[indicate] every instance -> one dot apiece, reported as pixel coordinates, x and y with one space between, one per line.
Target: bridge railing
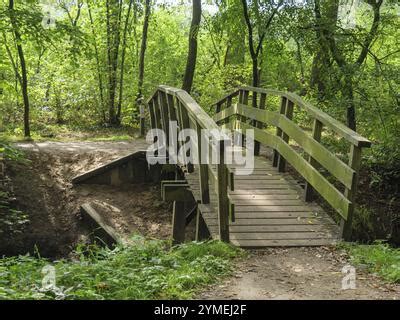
171 104
246 108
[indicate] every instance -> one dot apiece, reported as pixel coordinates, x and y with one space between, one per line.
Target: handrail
172 104
344 131
257 111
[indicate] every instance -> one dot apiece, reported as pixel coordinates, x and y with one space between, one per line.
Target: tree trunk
326 19
192 54
143 50
23 78
348 93
256 79
121 79
99 74
114 10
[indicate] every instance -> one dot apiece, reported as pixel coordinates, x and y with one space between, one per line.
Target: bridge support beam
202 232
178 222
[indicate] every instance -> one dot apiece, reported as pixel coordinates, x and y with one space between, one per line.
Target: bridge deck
269 210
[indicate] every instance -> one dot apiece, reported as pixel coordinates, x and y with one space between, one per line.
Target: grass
378 258
65 133
146 269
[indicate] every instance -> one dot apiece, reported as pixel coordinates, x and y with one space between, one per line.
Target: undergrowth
379 258
146 269
12 221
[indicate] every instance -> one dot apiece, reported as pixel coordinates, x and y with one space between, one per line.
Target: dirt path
298 273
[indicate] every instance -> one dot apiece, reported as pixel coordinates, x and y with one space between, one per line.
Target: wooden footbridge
265 206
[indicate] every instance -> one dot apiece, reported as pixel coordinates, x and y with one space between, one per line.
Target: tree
256 46
97 56
121 76
347 67
21 75
143 47
113 15
321 65
192 52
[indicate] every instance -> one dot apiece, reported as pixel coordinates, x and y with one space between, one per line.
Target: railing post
157 113
151 112
203 168
223 201
202 232
228 104
219 104
263 99
279 131
157 116
178 222
164 115
285 137
354 163
316 134
171 108
243 99
184 124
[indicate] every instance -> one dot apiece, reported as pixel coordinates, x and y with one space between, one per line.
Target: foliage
12 221
144 269
9 153
378 258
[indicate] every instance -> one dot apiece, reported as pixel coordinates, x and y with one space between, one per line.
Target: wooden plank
267 202
282 110
108 233
316 135
260 177
282 228
178 222
185 124
260 125
261 115
257 197
222 189
281 186
273 214
263 192
157 113
317 151
227 96
282 236
212 221
107 167
202 232
283 243
336 199
285 137
203 170
164 115
205 121
260 183
224 114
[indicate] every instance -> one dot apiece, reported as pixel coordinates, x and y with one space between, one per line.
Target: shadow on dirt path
298 273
